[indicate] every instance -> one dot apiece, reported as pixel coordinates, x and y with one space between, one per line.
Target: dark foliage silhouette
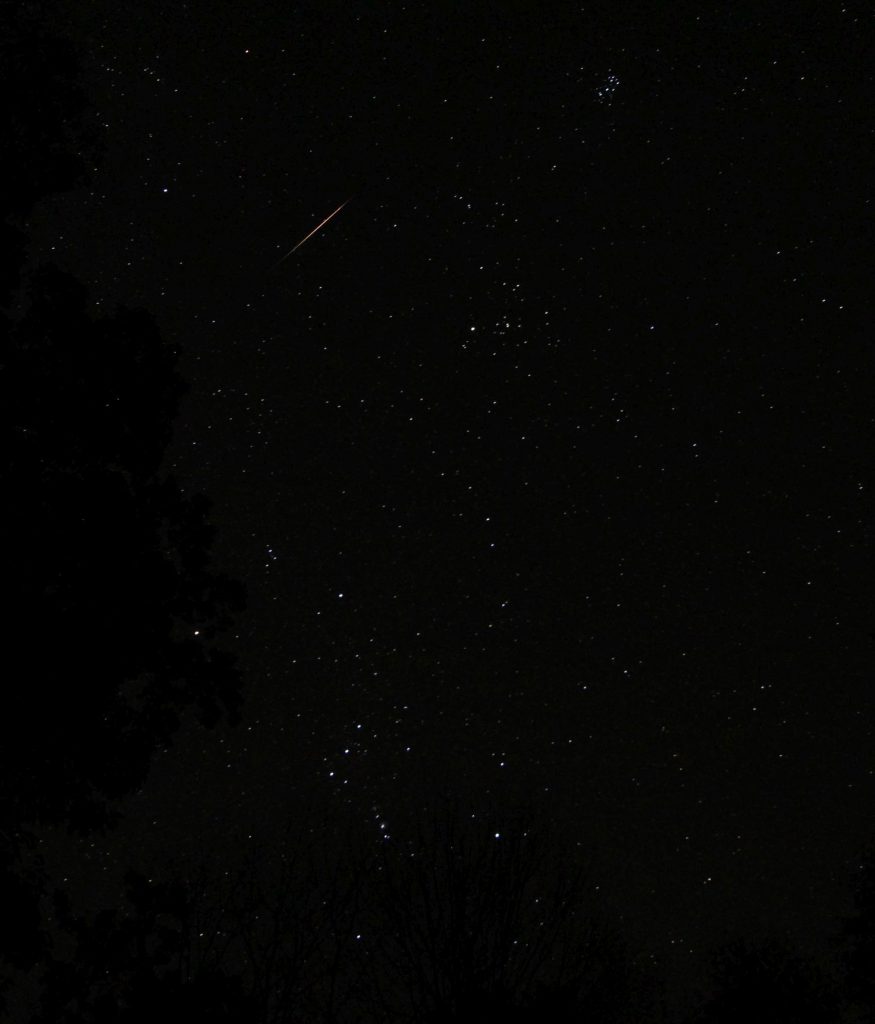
114 608
50 140
470 918
767 982
141 965
454 925
858 943
265 941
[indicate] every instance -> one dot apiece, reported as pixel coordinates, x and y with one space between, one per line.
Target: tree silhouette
136 966
475 919
115 611
454 925
858 943
50 141
767 982
115 606
266 940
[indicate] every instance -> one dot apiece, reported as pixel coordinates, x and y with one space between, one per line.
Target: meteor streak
321 224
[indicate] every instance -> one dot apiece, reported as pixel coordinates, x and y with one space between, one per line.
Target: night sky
544 461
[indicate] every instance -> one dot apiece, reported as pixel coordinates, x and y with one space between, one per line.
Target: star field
545 461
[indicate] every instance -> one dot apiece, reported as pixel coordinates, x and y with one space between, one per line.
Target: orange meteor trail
321 224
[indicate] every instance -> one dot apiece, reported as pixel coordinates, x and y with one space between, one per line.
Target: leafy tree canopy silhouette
114 609
50 141
133 968
767 981
115 605
858 941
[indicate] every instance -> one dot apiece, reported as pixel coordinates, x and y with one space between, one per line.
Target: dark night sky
544 462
